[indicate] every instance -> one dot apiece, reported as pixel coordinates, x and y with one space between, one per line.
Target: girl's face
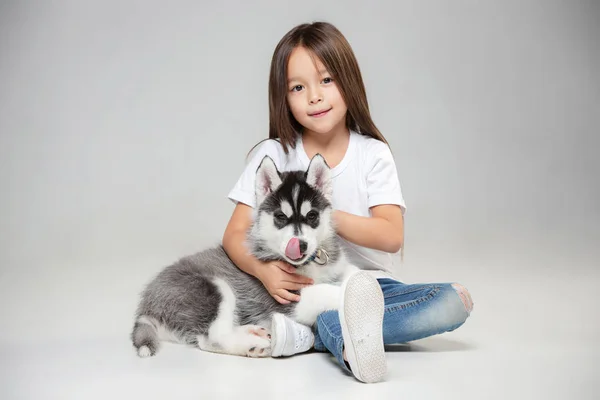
313 96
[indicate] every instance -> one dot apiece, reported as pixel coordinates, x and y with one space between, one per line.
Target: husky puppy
206 301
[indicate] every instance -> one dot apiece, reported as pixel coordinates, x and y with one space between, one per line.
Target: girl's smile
319 114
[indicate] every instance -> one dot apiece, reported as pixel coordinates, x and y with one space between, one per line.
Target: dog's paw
260 350
259 331
257 340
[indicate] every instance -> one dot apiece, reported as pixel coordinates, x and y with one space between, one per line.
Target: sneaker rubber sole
361 318
279 332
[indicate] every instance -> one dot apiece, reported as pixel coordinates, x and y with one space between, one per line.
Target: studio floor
532 335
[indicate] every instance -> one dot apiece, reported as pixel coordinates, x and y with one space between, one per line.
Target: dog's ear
318 176
268 179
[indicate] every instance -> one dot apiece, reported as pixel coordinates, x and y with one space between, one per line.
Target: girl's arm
384 230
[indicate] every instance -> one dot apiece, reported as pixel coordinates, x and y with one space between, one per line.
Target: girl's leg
354 334
417 311
411 312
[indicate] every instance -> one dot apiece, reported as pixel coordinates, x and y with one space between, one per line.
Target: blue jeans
412 312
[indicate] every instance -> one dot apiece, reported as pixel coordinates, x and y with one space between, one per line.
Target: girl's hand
279 277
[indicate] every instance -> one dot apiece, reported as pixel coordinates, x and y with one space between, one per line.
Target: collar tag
321 257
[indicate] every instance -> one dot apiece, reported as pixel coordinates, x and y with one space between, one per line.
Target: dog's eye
280 216
312 215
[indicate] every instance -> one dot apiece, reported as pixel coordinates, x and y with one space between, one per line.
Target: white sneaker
361 318
288 337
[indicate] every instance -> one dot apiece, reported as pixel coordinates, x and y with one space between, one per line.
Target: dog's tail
145 337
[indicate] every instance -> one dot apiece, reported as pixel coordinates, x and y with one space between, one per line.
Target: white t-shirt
365 177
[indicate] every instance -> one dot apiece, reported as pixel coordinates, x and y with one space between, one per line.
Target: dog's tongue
292 251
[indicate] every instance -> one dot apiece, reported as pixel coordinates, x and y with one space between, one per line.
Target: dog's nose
303 246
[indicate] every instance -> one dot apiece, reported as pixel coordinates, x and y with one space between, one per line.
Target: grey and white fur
206 301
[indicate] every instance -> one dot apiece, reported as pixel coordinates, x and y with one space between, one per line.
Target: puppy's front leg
348 271
316 299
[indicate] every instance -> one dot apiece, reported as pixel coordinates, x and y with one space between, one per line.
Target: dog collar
320 257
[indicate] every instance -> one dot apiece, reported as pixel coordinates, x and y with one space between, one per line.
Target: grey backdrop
123 125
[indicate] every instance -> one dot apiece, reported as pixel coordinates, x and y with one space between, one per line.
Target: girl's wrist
337 216
259 270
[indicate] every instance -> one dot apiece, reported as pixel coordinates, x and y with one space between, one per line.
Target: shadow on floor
433 344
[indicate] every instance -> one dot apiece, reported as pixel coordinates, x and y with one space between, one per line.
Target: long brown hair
325 42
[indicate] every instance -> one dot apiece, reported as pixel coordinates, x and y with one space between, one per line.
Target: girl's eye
327 80
296 88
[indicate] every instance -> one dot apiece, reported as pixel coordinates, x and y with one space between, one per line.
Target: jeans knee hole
464 295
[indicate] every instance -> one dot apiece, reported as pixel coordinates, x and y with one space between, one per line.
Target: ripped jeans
412 312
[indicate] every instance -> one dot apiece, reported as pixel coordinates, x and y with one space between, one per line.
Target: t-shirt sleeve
244 189
383 185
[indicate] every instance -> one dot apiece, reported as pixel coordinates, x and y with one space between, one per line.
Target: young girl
318 104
